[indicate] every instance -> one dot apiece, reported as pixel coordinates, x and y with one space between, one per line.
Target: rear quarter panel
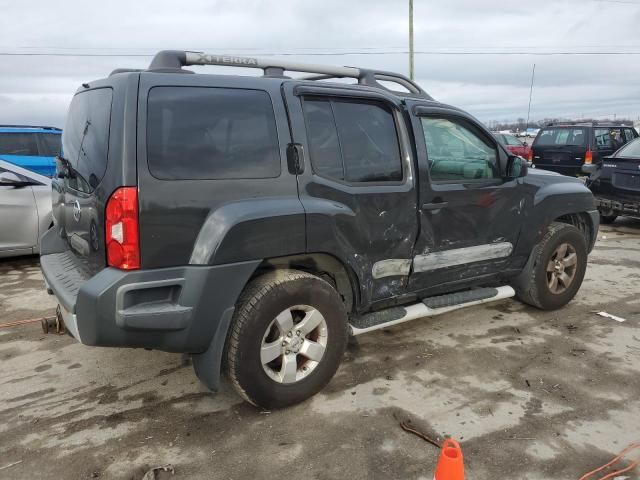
217 221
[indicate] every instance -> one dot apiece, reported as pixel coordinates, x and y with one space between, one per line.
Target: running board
429 307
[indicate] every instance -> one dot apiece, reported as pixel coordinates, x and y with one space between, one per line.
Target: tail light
530 155
588 157
121 229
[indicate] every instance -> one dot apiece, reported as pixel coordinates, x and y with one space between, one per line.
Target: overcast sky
37 89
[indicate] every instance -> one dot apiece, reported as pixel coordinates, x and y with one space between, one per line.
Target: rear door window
608 138
565 136
85 139
49 144
354 141
629 134
18 144
211 133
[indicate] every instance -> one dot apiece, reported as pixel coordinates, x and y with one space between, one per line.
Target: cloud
35 89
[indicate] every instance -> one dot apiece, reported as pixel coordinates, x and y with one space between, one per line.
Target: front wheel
560 262
287 338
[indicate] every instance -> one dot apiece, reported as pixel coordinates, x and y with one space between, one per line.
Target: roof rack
31 126
174 60
585 124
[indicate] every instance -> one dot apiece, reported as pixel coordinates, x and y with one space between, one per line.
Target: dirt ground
530 394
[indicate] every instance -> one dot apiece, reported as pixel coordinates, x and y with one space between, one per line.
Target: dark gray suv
256 222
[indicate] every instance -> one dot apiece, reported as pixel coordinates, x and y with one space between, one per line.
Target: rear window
18 144
631 150
85 139
211 133
570 136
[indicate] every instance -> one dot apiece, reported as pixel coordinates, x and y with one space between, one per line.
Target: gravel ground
530 394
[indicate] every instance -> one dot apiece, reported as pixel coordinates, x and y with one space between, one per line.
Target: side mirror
516 167
10 179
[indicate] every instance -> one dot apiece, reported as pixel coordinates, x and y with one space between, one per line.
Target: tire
537 289
607 219
259 330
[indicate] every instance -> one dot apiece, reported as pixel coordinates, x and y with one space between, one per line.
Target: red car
513 144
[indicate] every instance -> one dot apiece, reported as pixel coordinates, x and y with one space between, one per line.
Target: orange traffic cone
450 466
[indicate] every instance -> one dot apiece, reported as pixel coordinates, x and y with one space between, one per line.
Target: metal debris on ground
612 317
20 322
9 465
409 429
151 474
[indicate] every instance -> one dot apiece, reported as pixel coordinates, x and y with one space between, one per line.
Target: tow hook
54 324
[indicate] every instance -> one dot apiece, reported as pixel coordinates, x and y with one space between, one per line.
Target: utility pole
411 39
533 73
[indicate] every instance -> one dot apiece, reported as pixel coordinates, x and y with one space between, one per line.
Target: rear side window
211 133
562 136
350 140
18 144
85 138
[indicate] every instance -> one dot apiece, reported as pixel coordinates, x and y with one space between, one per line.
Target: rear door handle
434 206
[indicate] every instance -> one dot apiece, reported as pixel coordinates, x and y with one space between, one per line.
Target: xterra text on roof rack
256 222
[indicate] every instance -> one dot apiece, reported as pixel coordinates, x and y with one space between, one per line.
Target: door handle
434 206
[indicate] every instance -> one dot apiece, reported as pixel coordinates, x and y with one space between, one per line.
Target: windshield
562 136
631 150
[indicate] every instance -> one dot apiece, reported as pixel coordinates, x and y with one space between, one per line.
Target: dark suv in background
256 222
565 147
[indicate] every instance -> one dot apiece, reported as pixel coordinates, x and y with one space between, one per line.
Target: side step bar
429 307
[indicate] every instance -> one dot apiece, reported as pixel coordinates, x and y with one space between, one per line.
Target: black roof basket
174 60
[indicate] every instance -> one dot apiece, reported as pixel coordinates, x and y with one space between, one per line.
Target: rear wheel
560 262
287 338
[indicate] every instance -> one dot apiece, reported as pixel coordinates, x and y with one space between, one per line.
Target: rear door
19 216
470 216
88 178
607 140
357 187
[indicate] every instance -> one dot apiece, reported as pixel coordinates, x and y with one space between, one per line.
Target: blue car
31 147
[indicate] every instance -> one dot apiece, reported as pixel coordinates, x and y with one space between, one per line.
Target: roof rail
30 126
172 60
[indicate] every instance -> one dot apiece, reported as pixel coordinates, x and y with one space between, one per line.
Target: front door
470 214
357 187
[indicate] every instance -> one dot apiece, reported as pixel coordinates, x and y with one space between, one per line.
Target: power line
325 54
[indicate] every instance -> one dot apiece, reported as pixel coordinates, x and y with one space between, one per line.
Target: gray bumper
177 309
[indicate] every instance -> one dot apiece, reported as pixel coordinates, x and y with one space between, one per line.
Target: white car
25 209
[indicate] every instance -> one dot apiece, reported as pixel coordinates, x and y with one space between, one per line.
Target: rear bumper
175 309
594 215
619 206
